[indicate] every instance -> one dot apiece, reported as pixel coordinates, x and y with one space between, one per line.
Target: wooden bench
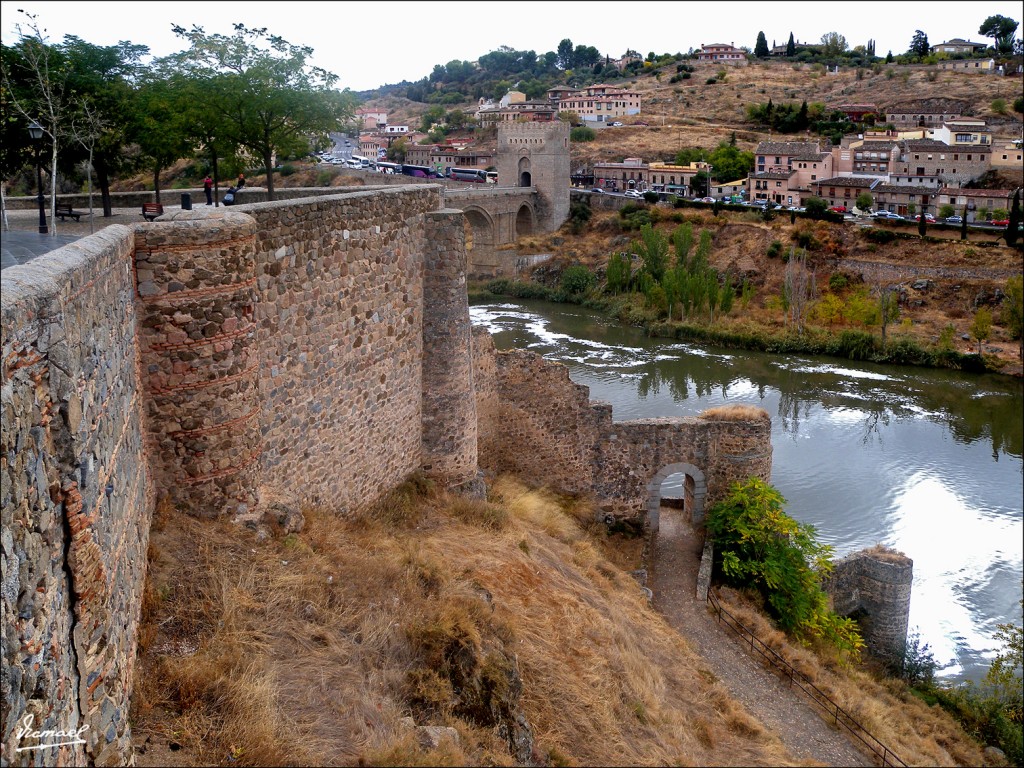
151 210
61 211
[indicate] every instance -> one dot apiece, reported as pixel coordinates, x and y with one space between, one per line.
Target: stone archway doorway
694 490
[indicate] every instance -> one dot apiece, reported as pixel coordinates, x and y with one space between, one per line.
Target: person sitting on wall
229 196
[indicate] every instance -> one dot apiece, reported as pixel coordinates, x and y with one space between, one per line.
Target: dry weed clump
735 413
310 648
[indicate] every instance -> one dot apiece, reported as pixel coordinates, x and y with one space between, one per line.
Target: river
925 461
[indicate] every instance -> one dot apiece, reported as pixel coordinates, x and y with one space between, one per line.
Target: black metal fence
830 709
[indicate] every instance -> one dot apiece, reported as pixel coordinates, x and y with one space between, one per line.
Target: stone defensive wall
318 349
535 422
874 586
76 496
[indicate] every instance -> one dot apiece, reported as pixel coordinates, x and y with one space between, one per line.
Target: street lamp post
35 130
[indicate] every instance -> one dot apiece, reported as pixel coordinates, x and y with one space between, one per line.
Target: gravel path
675 558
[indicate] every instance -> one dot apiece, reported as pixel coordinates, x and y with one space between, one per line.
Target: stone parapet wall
76 500
544 428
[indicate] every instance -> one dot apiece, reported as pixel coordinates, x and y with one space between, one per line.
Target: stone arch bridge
494 217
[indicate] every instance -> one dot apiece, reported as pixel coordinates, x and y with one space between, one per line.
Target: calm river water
927 462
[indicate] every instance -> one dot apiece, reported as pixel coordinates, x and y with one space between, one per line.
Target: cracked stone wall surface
76 501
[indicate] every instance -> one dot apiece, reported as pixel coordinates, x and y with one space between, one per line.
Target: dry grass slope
308 649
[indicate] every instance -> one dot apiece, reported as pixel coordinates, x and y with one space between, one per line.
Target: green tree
1001 29
946 210
919 44
981 326
161 128
833 44
577 280
761 47
864 201
963 223
922 224
816 207
790 46
652 248
618 274
757 544
272 98
565 51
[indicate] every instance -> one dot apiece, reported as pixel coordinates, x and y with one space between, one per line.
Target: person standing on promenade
241 181
208 189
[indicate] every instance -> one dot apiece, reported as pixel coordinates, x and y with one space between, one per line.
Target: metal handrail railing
838 714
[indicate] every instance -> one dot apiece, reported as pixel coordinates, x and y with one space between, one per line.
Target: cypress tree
963 224
761 46
1011 233
922 227
790 46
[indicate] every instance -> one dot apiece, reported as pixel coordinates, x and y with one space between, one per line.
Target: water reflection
926 461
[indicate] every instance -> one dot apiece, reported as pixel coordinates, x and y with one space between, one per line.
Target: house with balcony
784 170
634 173
947 165
779 186
843 190
980 203
957 45
720 53
599 103
963 132
537 111
874 158
905 199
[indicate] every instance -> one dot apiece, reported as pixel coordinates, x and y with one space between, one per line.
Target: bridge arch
525 221
480 229
695 489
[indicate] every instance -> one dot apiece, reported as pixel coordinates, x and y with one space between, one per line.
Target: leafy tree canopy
1001 29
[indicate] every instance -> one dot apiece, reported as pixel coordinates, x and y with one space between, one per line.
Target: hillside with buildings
663 114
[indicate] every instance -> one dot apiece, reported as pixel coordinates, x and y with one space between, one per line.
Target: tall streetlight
35 130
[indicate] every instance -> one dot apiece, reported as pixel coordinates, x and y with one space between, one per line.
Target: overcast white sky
369 44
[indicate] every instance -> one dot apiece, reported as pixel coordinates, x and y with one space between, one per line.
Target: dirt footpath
675 559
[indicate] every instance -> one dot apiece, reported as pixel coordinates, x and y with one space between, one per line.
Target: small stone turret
874 587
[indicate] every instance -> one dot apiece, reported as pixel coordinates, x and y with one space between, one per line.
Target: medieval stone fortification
319 348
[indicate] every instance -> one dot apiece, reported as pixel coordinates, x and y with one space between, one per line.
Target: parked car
616 124
704 200
598 190
887 215
838 208
927 217
954 220
1000 222
634 193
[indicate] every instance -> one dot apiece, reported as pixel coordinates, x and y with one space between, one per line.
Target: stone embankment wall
874 586
535 422
76 501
